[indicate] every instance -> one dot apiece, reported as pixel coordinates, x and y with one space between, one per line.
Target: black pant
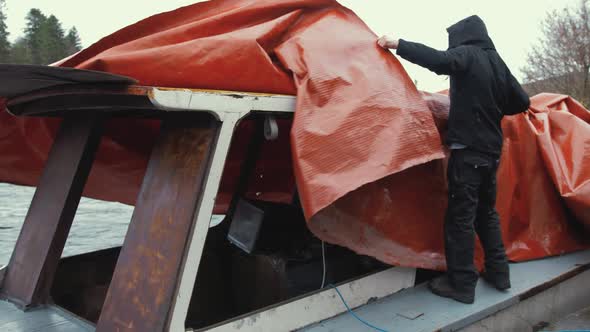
472 206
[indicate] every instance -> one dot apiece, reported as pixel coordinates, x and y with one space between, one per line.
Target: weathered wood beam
148 272
32 267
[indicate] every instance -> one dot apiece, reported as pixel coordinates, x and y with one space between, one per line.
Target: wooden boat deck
529 281
542 291
547 289
46 319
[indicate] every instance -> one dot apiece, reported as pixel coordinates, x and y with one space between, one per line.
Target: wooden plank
41 241
442 314
47 319
312 308
148 271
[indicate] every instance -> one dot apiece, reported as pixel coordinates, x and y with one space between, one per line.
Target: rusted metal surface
146 278
34 261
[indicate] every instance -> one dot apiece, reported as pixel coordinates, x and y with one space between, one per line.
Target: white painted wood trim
220 103
203 214
229 108
2 273
324 305
550 305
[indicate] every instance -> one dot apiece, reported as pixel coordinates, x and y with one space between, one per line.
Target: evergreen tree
34 35
44 41
4 43
53 43
20 52
73 44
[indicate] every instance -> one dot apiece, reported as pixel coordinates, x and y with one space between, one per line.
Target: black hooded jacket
482 88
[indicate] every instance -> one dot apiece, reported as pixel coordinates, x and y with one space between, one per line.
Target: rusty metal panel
146 278
34 261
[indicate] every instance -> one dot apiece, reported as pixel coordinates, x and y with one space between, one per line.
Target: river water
97 225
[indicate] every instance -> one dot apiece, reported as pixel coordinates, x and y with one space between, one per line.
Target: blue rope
354 315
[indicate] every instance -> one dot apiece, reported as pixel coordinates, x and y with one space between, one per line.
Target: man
482 91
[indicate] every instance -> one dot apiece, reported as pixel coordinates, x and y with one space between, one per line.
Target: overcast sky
513 24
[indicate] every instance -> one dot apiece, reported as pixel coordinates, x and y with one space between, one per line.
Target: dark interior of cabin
286 263
262 254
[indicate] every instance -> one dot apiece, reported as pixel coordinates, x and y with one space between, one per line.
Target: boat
184 268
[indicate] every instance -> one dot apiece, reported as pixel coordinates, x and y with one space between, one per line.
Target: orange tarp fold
543 193
365 147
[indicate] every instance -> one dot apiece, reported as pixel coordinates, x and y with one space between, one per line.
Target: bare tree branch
560 61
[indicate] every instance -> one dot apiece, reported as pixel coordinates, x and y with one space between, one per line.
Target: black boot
500 283
442 287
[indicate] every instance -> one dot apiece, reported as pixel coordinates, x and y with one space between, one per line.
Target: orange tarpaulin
544 165
365 144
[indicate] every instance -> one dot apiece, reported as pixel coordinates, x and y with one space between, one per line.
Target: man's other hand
388 42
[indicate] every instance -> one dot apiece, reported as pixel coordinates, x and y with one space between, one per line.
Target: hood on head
470 31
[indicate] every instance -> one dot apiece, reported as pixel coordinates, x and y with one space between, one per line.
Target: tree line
44 40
